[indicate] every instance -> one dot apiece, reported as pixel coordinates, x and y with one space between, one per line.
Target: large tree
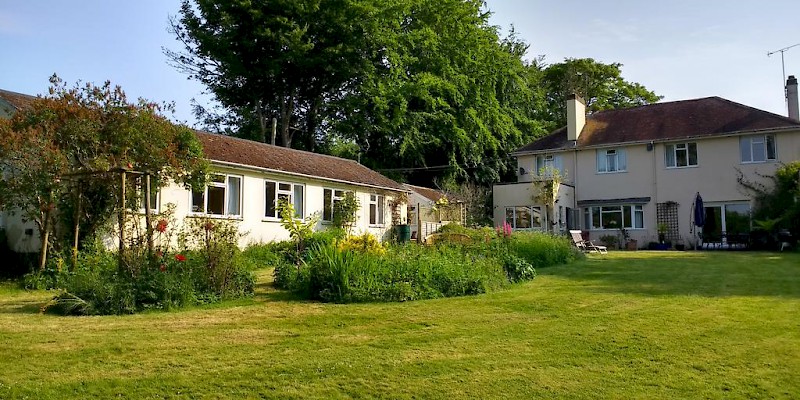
266 59
67 145
600 85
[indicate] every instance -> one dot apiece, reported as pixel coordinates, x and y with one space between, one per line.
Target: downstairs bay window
221 197
614 217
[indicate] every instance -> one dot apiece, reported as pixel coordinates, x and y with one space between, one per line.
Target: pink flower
180 257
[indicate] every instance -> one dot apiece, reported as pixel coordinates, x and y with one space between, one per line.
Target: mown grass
626 325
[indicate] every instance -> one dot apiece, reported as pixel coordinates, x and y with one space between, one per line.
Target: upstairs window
274 192
545 164
222 197
611 160
757 148
681 155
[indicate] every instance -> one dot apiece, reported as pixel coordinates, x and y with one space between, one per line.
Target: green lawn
627 325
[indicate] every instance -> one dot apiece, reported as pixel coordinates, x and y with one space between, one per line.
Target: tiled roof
709 116
249 153
428 193
16 100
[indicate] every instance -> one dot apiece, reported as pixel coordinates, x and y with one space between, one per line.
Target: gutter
313 177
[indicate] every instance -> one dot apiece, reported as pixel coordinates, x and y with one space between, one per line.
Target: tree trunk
311 123
262 121
287 110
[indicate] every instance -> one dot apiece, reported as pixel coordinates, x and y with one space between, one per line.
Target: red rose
180 257
163 268
162 225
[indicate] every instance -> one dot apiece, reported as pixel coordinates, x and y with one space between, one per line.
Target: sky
678 49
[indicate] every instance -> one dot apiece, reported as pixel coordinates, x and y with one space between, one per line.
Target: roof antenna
783 68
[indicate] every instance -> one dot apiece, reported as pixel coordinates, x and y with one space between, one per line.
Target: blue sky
679 49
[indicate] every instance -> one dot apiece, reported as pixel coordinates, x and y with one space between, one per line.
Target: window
329 198
547 163
757 148
680 155
611 160
222 196
277 191
376 209
139 184
614 217
524 217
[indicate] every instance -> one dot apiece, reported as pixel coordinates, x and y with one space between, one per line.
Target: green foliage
345 211
517 268
404 273
213 270
543 250
94 131
600 85
349 273
777 204
364 243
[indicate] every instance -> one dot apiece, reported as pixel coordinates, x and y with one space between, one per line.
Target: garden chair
585 245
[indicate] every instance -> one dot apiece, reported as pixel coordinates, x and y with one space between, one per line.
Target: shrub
542 249
365 243
404 273
517 269
101 283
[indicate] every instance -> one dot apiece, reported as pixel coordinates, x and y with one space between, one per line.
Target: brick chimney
576 115
791 98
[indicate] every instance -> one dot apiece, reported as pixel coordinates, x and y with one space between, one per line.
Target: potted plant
662 232
609 241
630 244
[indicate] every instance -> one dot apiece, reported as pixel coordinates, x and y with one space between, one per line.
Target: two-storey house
641 168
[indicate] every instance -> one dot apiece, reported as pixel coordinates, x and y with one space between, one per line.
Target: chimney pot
791 98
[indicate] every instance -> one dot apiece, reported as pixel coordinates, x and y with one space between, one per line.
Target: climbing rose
162 225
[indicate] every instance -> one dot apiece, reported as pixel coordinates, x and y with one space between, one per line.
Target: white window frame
299 213
752 141
545 164
674 149
224 185
628 221
377 210
620 161
533 222
336 196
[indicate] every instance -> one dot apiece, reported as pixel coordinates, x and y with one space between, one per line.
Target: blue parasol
699 211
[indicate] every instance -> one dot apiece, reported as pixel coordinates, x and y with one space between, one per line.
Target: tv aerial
783 65
783 68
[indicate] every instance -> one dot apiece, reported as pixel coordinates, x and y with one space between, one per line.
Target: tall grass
337 273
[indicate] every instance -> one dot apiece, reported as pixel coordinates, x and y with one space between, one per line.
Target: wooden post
77 229
147 214
420 231
121 216
45 239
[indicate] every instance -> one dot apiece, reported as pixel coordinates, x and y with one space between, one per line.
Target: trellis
122 212
667 214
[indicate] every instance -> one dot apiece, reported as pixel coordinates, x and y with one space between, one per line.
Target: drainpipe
655 180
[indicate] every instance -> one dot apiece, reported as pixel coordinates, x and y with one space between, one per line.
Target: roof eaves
281 172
